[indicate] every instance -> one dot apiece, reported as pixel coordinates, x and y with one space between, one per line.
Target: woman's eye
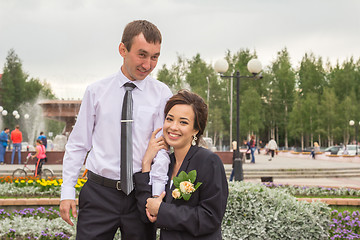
168 119
184 122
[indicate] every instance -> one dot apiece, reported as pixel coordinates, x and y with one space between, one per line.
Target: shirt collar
140 84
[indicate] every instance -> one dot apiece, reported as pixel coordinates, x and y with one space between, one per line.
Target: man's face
141 59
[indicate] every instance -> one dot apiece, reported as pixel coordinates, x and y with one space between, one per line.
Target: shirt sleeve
159 169
79 143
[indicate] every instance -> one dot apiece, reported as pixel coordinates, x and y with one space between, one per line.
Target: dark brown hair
39 141
198 105
133 29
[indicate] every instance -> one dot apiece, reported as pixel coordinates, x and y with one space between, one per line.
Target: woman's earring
194 140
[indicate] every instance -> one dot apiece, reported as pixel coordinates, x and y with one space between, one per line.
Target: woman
252 147
40 155
200 216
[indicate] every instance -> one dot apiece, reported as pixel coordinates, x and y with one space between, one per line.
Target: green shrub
257 212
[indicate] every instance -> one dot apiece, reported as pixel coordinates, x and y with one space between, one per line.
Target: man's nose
146 64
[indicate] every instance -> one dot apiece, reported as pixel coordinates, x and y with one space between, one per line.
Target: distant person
234 145
40 155
252 146
272 146
43 139
4 140
16 138
315 150
260 146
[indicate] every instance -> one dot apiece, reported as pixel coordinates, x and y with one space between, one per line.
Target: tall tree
311 75
17 88
284 88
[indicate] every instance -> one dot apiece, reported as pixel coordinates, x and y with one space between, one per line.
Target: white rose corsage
184 184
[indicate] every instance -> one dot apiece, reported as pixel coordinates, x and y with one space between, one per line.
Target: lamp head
221 66
254 66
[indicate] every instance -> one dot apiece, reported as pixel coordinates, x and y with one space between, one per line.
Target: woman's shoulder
206 155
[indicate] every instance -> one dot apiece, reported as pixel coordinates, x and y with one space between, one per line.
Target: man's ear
122 50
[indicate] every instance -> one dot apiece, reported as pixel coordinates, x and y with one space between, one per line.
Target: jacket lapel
184 167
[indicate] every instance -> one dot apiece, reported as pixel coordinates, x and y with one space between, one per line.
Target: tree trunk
302 141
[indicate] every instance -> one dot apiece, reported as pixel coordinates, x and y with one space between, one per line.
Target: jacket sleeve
142 193
206 216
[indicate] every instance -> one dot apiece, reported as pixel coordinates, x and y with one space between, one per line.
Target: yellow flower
22 181
187 187
30 181
176 193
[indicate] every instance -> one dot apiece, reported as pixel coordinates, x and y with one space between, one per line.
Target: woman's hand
150 217
154 146
153 205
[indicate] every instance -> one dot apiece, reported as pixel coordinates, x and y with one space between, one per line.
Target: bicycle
46 173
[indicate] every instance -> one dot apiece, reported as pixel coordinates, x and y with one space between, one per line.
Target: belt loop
118 186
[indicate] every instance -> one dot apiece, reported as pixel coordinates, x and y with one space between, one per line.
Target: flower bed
34 187
254 211
314 191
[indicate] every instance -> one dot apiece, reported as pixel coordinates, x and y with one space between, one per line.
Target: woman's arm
37 153
207 215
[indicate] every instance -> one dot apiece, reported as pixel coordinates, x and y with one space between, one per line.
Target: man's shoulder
159 87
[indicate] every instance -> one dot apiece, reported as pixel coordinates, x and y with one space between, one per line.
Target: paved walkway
287 160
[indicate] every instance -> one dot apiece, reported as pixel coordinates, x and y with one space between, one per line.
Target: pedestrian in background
43 139
252 146
234 145
40 155
16 138
4 140
272 146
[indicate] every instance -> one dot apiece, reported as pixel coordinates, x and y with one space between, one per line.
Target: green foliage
311 103
257 212
17 88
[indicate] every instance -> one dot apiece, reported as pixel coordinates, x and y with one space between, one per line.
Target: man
16 138
4 139
43 139
272 148
103 204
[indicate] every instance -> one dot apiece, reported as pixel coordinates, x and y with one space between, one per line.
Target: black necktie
127 184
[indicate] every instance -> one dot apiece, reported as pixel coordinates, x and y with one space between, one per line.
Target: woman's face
179 126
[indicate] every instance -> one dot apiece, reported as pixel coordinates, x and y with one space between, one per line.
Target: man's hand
153 204
65 207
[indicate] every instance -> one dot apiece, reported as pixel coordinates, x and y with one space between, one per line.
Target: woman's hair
198 105
39 141
133 29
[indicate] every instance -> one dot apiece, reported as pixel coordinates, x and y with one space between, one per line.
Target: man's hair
17 126
6 129
198 105
41 133
133 29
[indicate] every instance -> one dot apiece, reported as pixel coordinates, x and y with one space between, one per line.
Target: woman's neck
180 154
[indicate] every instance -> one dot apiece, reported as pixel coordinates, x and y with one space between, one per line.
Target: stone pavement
288 160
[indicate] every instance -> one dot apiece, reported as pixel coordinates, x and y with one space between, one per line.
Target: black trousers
102 210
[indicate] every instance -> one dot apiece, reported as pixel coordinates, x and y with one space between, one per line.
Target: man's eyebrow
146 52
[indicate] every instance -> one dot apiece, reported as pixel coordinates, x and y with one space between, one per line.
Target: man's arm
78 145
159 169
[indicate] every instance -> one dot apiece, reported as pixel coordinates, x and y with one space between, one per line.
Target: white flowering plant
184 184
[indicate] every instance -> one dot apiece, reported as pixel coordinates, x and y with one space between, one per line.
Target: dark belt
106 182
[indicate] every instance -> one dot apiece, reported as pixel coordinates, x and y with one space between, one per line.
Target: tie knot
129 86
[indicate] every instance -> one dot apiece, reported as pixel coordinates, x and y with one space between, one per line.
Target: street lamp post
352 123
254 67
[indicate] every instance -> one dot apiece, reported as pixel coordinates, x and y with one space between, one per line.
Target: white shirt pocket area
145 118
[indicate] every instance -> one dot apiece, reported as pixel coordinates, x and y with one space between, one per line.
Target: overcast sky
72 43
